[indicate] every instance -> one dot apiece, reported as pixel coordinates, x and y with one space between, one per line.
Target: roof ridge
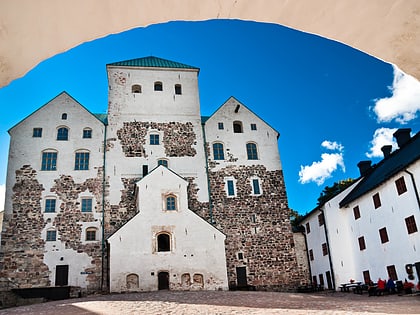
152 62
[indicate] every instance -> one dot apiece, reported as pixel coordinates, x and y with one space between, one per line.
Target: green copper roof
152 62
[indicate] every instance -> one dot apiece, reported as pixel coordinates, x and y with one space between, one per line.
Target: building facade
370 229
91 199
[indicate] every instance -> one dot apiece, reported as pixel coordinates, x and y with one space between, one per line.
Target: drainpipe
329 251
208 177
415 187
103 210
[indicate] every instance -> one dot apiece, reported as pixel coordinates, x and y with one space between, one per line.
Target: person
390 286
381 287
408 287
371 288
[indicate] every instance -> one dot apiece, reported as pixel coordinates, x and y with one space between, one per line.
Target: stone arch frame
132 281
161 247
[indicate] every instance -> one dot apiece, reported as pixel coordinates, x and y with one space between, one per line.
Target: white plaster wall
197 247
235 143
402 248
153 106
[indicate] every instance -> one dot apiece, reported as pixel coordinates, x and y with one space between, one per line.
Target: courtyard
227 302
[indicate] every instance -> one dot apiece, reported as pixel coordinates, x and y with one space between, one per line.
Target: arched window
158 86
251 151
237 127
163 162
49 160
178 89
136 88
63 134
164 242
170 202
87 133
91 234
132 281
218 153
64 116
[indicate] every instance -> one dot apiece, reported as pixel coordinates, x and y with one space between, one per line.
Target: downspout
208 177
415 187
329 251
103 210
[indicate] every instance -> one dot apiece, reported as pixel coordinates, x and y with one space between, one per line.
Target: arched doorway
163 280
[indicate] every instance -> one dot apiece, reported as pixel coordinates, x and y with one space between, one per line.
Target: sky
332 105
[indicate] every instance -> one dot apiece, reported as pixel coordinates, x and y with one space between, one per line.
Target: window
91 234
86 205
253 126
163 242
87 133
136 88
253 218
311 254
314 280
50 205
392 273
220 126
158 86
362 244
63 134
237 127
154 139
384 235
308 228
356 212
64 116
256 187
51 235
321 279
366 276
376 200
178 89
240 256
81 161
251 150
145 170
49 161
410 222
163 162
230 188
170 203
218 153
324 249
37 132
400 184
321 220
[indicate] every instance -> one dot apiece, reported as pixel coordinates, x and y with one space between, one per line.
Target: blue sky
333 105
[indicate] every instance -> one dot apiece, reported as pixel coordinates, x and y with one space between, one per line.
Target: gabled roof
152 62
388 167
103 118
205 118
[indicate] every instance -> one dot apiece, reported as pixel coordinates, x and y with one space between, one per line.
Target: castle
149 196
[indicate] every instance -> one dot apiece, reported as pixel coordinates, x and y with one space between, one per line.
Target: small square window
51 236
37 133
50 205
154 139
220 126
86 205
87 133
253 126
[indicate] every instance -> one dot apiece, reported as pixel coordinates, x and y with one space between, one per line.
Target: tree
334 190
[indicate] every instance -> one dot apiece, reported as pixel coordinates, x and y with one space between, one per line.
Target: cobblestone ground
237 302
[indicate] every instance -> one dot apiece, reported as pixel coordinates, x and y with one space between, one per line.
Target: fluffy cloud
404 103
381 137
2 192
319 171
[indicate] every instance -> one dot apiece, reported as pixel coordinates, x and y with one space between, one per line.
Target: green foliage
294 218
334 190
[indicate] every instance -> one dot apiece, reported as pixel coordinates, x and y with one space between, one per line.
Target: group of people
381 287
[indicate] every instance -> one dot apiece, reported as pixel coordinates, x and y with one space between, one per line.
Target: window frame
62 133
220 126
383 235
154 139
237 127
256 186
37 132
87 133
81 160
50 205
311 255
376 200
49 160
230 188
136 89
252 151
158 86
86 205
392 272
91 231
324 249
51 235
171 203
308 228
64 116
159 246
356 212
178 89
253 127
163 162
219 152
400 185
321 219
362 243
410 224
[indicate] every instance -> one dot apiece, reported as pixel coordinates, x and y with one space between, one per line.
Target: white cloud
2 192
404 103
381 137
319 171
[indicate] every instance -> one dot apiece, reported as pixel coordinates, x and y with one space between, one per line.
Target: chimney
402 136
386 150
364 167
